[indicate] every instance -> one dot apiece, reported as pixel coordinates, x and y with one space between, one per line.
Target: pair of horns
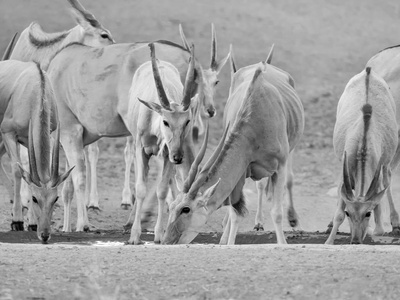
347 187
189 81
10 47
232 58
214 63
193 184
54 160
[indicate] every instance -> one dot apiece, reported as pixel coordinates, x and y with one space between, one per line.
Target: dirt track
199 272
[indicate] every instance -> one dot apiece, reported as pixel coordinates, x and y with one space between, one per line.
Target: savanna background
322 44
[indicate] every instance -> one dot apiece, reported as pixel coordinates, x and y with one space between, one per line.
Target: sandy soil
199 272
322 45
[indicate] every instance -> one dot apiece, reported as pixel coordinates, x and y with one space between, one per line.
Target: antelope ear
211 190
152 105
63 177
345 195
377 197
25 175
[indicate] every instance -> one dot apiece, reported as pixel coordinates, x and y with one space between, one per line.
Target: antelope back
36 45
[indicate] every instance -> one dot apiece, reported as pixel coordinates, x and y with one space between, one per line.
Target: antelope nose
45 237
177 159
211 112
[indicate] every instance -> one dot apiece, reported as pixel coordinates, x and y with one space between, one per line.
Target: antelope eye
368 214
187 122
34 200
104 35
347 213
216 82
165 123
185 210
55 200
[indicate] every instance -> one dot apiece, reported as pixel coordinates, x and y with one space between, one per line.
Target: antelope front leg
73 147
235 197
259 222
337 221
278 183
4 178
141 174
292 214
394 216
67 194
226 225
25 192
127 196
162 193
91 193
10 142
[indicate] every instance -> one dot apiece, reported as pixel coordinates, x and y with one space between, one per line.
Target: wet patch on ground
265 237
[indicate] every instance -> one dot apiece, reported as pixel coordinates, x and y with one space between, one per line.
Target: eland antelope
267 120
387 65
28 115
365 139
201 101
264 184
92 91
211 81
36 45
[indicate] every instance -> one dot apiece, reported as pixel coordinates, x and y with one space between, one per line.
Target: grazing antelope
201 101
36 45
365 139
267 120
92 91
28 115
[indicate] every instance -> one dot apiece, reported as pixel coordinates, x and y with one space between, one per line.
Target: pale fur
369 142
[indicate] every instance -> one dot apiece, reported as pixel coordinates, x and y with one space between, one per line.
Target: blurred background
322 44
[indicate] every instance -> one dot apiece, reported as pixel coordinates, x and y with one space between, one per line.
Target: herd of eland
67 90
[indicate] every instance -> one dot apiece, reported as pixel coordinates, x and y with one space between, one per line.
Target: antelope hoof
125 206
396 231
86 228
127 227
17 226
258 227
95 209
11 201
129 242
32 227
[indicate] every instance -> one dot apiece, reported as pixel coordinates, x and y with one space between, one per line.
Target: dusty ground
199 272
322 44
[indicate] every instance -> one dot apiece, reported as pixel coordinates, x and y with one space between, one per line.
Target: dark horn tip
368 70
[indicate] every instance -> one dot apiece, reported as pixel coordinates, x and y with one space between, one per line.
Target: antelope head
43 184
189 211
359 208
210 76
93 33
175 118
